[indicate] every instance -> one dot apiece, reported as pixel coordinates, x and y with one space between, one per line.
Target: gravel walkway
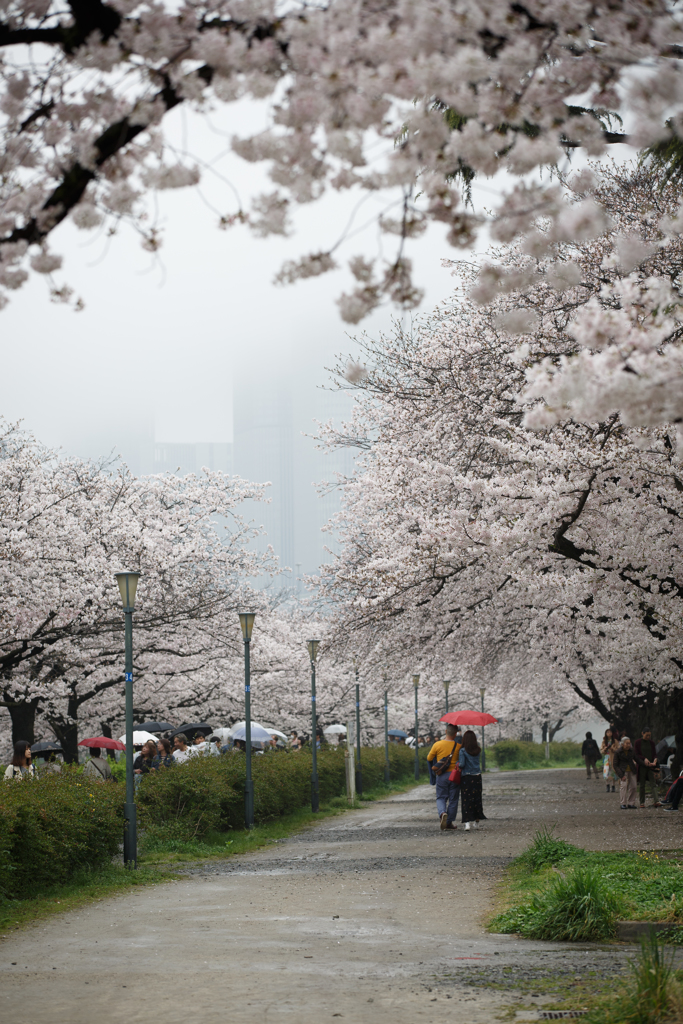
376 915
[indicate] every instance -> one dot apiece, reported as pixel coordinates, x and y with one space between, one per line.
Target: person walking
21 766
590 752
646 755
96 767
626 767
442 759
470 781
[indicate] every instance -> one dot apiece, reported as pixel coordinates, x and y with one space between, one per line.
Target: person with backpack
442 759
96 767
590 752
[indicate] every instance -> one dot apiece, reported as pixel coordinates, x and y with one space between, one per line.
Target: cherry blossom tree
453 89
66 526
532 551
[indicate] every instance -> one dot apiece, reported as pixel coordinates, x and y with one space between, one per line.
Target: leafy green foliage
588 886
515 754
54 825
207 793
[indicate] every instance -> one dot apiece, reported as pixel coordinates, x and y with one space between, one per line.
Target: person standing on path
626 767
442 760
590 752
608 748
470 782
646 756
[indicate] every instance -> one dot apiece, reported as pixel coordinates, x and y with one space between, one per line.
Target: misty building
180 458
274 418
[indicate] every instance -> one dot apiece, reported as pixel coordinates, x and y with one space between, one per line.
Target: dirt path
376 915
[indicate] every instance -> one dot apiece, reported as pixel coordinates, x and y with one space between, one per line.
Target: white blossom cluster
489 540
457 88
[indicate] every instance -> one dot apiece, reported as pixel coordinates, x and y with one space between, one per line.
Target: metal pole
130 829
359 769
315 785
387 767
483 734
249 783
417 755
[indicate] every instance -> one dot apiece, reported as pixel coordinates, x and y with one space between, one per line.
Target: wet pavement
374 915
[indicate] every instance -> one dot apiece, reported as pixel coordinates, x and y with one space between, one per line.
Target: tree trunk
23 715
66 730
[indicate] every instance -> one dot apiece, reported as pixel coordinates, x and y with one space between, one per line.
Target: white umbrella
223 733
258 733
336 730
241 725
139 737
276 732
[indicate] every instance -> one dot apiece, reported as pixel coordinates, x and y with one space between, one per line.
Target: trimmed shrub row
517 753
54 825
207 794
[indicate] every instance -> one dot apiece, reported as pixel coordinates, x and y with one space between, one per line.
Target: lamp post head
446 684
482 690
128 585
313 646
247 623
416 681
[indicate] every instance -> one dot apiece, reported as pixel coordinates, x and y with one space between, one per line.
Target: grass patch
84 887
653 994
553 887
217 844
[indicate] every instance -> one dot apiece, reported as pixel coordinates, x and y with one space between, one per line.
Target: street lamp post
359 769
247 624
387 768
416 683
482 691
128 585
315 786
446 684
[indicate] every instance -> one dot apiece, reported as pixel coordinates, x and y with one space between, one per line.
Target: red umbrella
468 718
102 741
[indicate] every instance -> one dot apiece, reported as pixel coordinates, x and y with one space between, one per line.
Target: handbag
455 776
440 766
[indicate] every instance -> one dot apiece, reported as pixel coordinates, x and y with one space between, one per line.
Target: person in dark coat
646 754
625 763
590 752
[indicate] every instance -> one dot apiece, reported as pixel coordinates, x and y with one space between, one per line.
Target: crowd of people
641 767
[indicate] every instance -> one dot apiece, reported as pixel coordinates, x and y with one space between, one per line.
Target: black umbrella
190 729
397 732
46 747
155 726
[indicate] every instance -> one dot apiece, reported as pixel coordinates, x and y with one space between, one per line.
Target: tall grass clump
545 850
576 907
651 996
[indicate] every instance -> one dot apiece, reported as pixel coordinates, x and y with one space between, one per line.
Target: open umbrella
102 741
240 725
258 733
156 726
190 728
276 732
335 730
397 732
45 748
468 718
140 736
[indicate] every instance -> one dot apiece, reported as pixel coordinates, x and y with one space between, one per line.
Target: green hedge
519 753
207 793
53 825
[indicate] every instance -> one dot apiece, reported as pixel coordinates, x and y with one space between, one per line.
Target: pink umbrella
102 741
468 718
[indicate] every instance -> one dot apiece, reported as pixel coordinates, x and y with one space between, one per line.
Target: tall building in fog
272 417
172 457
